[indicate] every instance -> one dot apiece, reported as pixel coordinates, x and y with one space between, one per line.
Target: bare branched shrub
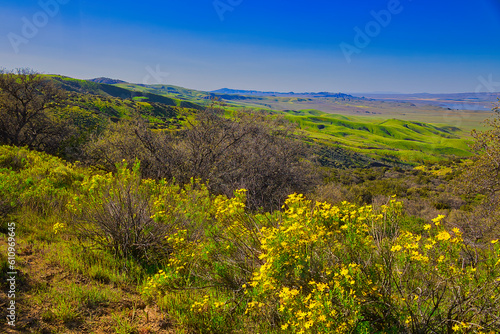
247 151
116 215
334 193
27 105
421 207
480 184
116 144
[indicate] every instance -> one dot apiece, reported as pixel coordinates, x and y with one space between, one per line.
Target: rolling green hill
373 137
86 86
391 139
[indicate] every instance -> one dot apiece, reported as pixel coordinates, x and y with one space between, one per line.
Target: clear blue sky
425 46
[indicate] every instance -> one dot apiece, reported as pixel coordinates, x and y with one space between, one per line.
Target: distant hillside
378 138
259 93
109 90
107 81
392 140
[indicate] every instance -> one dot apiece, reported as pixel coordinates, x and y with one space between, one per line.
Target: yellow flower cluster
225 207
154 283
200 306
58 227
294 249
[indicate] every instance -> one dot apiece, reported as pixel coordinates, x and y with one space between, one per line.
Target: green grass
405 140
123 325
70 302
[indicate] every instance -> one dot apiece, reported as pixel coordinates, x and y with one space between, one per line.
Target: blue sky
416 46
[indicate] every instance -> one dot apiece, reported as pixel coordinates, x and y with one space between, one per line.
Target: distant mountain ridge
260 93
107 81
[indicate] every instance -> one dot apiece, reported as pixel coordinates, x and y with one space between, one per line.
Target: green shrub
114 212
318 268
35 180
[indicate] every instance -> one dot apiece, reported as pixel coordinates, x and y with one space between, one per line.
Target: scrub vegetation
137 215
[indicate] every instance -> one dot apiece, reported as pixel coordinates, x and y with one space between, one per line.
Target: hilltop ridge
108 81
282 94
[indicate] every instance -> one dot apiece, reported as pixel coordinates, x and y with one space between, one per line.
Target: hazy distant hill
454 101
107 81
259 93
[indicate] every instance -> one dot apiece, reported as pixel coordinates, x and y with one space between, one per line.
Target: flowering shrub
314 267
114 211
35 180
312 278
215 245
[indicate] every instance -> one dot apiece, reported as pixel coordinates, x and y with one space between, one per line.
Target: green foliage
36 180
314 268
71 303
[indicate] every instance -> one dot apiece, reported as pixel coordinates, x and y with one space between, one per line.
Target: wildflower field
210 265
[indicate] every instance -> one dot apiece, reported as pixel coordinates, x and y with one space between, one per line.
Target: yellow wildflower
443 235
396 248
438 219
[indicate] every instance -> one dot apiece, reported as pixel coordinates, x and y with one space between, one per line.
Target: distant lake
467 106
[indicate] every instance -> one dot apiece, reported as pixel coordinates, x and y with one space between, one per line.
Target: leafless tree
248 151
480 182
27 100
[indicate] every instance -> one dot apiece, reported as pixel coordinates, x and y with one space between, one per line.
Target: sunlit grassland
409 141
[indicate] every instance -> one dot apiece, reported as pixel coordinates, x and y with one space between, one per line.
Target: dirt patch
36 274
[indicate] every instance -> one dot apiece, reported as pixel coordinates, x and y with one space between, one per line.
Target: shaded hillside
107 81
92 87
